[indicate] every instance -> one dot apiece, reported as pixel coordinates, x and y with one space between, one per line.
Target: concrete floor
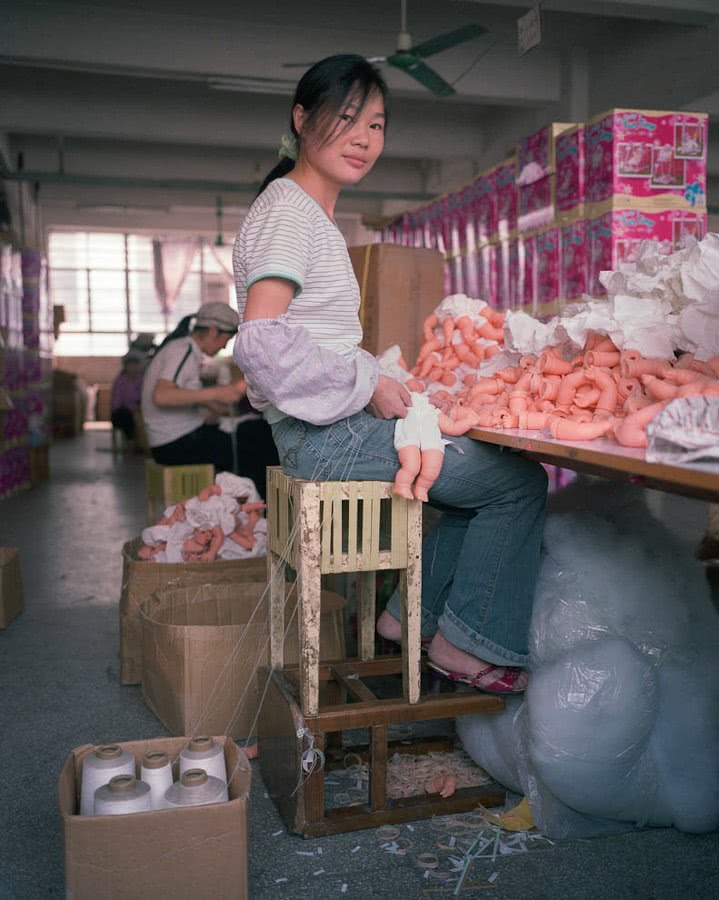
59 688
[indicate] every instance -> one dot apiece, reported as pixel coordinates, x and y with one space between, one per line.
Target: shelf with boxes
26 336
535 231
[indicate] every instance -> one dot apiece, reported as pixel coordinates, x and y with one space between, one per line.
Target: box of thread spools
141 578
163 818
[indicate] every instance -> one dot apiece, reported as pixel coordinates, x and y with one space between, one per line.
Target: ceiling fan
410 58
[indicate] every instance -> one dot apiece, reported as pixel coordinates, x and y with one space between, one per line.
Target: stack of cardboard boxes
535 231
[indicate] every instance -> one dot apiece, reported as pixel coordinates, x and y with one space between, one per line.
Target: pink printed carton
484 206
528 272
537 151
569 169
536 204
487 273
614 237
505 190
514 271
503 276
647 159
573 260
547 244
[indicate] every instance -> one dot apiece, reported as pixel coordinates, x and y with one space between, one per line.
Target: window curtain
223 255
172 259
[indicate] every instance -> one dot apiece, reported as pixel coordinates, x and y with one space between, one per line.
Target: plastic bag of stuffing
619 726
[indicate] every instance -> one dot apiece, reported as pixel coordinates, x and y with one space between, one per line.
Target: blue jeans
479 564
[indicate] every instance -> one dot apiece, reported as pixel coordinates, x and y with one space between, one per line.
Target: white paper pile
657 304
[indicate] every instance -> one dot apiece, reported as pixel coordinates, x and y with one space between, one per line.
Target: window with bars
105 281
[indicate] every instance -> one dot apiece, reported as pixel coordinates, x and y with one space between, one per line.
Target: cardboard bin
201 653
165 854
12 598
141 578
399 288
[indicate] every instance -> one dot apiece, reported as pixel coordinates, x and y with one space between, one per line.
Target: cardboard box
12 597
166 854
202 647
647 159
399 287
573 260
569 155
39 464
103 405
536 169
141 578
615 236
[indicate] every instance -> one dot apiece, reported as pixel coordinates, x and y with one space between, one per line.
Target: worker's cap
133 356
218 314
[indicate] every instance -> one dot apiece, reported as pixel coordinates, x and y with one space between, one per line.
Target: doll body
420 448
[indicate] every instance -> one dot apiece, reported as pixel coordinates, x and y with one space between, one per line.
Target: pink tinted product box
536 203
503 282
505 191
528 272
569 168
615 237
487 273
573 260
643 154
547 266
537 149
485 209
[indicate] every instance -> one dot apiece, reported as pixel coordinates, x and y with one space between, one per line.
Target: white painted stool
322 527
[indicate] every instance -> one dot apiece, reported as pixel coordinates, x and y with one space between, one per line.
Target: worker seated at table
181 416
125 398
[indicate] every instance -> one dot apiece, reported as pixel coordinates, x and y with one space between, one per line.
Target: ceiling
139 114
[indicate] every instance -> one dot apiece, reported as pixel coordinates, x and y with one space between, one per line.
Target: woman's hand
390 399
229 393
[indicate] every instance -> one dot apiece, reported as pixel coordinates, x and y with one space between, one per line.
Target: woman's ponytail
283 167
182 329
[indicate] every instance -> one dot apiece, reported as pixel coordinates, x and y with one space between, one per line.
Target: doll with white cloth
420 448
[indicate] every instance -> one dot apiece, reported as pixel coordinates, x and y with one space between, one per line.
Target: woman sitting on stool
176 408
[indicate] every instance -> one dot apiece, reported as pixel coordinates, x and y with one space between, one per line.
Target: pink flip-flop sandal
506 684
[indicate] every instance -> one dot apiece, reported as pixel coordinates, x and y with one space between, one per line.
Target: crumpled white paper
389 364
656 305
457 305
687 429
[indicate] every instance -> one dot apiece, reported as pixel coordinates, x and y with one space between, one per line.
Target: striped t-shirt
287 234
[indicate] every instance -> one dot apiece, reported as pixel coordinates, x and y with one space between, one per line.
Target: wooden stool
351 526
170 484
305 524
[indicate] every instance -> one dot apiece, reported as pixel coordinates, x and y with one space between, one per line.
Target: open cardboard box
165 854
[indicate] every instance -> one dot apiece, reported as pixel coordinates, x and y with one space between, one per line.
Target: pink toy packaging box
547 243
536 204
536 152
614 237
487 273
573 260
647 159
528 272
484 205
569 167
505 190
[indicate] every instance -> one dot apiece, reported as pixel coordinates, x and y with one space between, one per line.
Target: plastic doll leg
428 474
410 462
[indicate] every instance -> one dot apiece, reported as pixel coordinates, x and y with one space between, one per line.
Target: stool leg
410 584
366 603
276 581
309 591
378 767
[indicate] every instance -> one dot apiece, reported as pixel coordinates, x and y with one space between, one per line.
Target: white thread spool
204 753
196 788
98 768
156 771
123 795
